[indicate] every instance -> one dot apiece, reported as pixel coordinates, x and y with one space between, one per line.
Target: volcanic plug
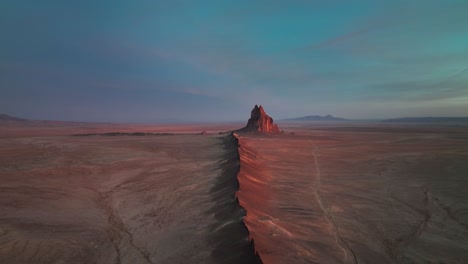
260 122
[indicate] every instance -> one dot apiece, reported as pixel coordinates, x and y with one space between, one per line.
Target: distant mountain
316 118
8 118
427 120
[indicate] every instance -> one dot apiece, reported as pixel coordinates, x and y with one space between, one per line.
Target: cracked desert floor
328 194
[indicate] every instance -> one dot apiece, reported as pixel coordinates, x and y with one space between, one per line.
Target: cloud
411 91
293 55
338 39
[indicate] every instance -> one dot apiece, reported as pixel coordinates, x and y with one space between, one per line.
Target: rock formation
260 122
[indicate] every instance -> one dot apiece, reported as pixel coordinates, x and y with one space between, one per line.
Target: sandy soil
124 199
393 195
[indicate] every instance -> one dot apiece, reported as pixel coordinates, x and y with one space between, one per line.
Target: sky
147 61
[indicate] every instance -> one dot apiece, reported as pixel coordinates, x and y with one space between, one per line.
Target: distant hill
316 118
427 120
8 118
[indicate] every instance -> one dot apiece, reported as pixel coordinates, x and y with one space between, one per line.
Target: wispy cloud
295 55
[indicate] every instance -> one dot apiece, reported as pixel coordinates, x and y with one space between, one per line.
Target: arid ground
328 194
120 199
362 194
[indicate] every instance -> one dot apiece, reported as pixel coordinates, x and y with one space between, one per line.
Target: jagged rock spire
260 122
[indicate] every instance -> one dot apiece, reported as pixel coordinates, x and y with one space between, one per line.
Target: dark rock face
260 122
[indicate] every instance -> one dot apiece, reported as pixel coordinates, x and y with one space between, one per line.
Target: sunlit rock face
260 122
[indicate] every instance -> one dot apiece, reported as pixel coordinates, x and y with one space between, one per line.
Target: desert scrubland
328 194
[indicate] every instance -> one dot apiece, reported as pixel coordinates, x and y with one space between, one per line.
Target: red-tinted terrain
331 193
357 195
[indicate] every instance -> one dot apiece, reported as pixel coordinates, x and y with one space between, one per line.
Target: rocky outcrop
260 122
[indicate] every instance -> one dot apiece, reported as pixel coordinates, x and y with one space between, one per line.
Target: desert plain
347 193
